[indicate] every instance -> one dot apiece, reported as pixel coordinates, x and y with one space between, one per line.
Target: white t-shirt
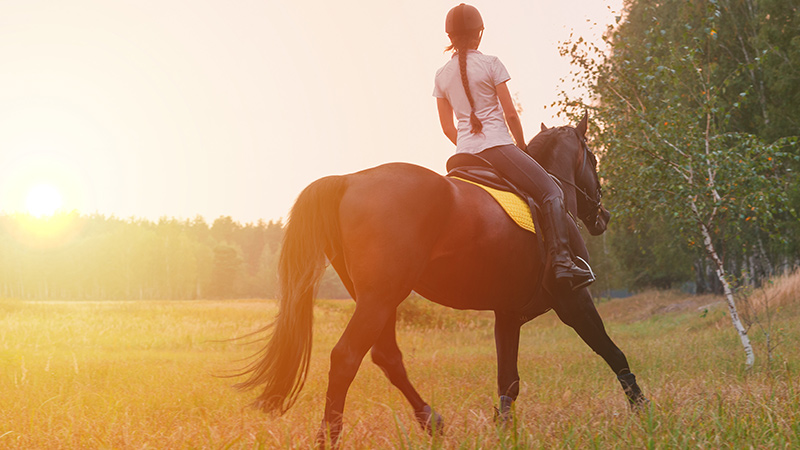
484 73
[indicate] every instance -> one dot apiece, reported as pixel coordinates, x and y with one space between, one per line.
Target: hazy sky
153 108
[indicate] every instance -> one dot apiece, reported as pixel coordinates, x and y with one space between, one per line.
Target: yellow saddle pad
512 204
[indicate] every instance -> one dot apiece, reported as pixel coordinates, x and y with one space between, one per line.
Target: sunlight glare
43 200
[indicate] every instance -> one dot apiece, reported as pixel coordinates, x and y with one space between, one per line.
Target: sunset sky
153 108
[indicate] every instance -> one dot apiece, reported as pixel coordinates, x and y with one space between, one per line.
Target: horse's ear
544 127
581 128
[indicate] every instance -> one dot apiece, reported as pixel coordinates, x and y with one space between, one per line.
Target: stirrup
589 280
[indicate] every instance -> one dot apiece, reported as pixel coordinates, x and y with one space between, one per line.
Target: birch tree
657 94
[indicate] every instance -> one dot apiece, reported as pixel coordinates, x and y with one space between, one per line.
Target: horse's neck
562 167
557 164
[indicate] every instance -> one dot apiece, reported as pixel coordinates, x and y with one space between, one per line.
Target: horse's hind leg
579 312
387 355
361 333
506 338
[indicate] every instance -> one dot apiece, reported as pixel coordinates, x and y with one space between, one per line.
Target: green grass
141 375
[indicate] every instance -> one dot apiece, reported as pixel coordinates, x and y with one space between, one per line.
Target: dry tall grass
777 292
140 375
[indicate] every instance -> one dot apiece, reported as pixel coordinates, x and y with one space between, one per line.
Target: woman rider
473 86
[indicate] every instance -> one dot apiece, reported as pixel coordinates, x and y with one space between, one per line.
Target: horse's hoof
502 419
640 405
430 420
327 435
503 415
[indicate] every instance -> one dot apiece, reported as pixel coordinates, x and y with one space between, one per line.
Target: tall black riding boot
556 236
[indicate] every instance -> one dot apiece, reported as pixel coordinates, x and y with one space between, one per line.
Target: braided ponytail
477 126
464 26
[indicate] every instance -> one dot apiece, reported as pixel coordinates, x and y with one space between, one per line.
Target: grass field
141 375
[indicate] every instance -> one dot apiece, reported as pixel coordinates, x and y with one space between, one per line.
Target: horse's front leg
506 338
577 310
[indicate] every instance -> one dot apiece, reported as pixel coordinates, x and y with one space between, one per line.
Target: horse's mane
544 140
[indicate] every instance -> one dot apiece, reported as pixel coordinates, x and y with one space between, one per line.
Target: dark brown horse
400 227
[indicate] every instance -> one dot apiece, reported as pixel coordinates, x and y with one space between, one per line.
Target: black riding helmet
463 19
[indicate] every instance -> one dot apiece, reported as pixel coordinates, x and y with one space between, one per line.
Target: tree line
94 257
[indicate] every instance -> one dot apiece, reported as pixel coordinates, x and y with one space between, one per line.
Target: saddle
476 170
515 202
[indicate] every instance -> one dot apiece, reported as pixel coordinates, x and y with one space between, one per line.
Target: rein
591 200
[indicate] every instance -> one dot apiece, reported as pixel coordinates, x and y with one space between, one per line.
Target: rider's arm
512 118
446 119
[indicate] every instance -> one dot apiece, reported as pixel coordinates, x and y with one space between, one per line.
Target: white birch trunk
726 288
719 268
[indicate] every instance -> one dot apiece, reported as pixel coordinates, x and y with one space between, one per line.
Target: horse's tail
313 227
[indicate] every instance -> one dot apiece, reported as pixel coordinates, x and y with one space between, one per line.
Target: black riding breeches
523 171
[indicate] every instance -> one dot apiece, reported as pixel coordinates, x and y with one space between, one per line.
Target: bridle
593 216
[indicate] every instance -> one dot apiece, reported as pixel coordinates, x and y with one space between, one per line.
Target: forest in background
73 256
706 93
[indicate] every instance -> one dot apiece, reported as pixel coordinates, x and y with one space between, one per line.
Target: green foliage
645 247
331 286
766 49
226 266
684 100
69 256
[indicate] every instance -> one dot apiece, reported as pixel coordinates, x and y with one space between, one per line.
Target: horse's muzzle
600 222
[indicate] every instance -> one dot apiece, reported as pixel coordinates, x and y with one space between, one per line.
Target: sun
43 200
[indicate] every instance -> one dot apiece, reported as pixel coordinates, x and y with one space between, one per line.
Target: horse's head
563 152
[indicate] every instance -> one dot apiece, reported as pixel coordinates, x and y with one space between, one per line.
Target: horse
400 227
